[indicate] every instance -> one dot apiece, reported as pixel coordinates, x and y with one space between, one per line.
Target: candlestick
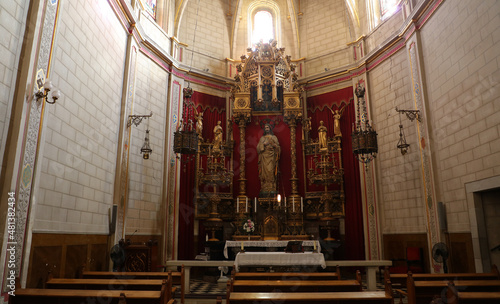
293 204
237 205
301 205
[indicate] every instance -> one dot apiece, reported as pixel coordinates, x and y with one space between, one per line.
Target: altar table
279 259
267 244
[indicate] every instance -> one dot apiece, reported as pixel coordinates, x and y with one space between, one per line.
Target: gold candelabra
215 175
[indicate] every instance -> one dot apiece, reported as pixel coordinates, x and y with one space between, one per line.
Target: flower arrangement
249 226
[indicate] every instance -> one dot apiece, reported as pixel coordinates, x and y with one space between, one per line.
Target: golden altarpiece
268 97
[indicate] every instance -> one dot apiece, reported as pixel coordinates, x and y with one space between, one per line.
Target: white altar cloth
309 243
279 259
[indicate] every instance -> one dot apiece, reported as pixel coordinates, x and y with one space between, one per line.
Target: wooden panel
64 254
98 257
395 246
44 259
76 258
461 255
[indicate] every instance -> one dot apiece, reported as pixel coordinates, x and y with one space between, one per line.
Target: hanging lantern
186 138
146 149
364 137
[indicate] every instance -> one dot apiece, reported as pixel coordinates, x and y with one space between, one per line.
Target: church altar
279 259
267 244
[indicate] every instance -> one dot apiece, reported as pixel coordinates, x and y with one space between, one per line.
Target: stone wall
460 47
80 132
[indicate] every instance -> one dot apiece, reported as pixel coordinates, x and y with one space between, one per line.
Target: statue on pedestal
322 136
217 137
269 153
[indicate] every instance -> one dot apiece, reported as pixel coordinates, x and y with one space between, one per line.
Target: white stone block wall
146 176
154 32
80 132
399 176
12 27
460 44
211 40
323 27
383 31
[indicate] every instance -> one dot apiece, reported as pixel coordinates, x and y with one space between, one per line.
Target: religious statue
337 114
307 126
322 137
217 137
199 125
269 153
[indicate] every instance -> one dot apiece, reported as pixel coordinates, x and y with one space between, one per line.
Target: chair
414 262
414 259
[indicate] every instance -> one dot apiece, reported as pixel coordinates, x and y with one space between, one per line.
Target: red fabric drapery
214 110
318 108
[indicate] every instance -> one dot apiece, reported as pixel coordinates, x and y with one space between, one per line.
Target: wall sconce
47 86
136 120
412 115
146 149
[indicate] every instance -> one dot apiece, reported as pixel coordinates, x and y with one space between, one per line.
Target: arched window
263 27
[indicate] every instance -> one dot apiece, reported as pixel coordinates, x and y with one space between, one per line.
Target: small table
279 259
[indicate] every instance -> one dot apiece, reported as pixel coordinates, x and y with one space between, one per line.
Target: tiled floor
202 287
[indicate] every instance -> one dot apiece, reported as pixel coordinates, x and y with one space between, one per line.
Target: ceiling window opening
263 28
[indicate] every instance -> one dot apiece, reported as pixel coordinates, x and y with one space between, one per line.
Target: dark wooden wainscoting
64 254
395 246
461 256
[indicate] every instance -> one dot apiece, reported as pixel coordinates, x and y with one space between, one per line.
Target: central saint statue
269 153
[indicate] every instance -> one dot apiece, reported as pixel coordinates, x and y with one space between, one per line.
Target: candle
237 204
314 245
293 204
242 246
206 237
246 205
285 201
301 205
255 207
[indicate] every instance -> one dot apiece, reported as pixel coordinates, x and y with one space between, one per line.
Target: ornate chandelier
364 137
186 138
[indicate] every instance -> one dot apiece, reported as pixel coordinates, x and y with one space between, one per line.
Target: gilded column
242 121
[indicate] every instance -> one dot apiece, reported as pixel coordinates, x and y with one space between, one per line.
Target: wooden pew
287 275
78 296
400 279
360 297
177 277
106 284
297 285
454 296
423 292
